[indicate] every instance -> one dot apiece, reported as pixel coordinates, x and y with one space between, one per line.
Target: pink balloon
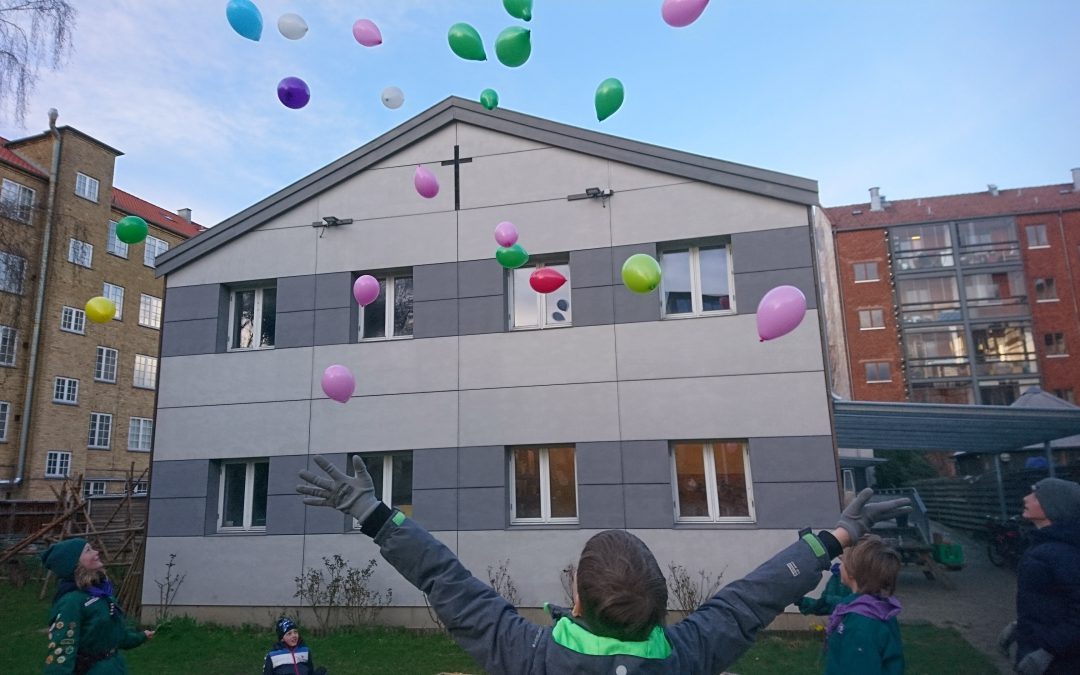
780 311
679 13
365 289
366 33
338 383
426 183
506 233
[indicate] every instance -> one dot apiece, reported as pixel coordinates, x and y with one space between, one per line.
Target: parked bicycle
1008 540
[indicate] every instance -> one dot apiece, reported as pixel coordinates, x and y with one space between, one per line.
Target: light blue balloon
245 18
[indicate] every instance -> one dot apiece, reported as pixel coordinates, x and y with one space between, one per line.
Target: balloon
292 26
519 9
366 33
100 309
245 18
679 13
392 97
609 96
426 183
338 383
563 304
641 273
293 93
780 311
546 280
466 42
489 98
365 289
511 257
506 233
131 229
513 46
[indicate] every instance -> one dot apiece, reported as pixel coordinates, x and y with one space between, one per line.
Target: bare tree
32 32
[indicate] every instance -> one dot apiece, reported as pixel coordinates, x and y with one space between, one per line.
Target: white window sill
89 199
566 324
248 349
386 339
878 381
143 386
98 447
1057 356
73 332
237 530
151 327
65 402
118 255
688 523
561 522
873 328
1049 300
866 281
143 450
1033 248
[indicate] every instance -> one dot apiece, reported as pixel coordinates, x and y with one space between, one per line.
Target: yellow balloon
100 309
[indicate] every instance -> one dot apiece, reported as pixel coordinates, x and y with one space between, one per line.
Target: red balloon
546 280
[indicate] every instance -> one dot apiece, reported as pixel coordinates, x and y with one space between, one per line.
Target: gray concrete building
513 425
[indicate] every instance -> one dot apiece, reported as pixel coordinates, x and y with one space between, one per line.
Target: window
928 299
919 247
65 390
1004 349
712 481
93 488
539 310
696 280
152 249
16 201
57 464
849 480
1036 236
376 322
544 489
1066 394
5 412
996 294
985 242
114 245
1055 344
250 309
937 352
871 319
73 320
140 487
100 430
145 371
12 271
86 187
392 474
116 294
80 253
140 433
242 496
8 344
105 365
1045 290
866 271
149 311
878 371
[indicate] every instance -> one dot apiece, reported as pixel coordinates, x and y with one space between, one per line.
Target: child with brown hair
862 635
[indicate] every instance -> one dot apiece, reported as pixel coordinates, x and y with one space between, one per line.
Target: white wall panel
389 242
529 176
538 357
477 142
242 430
235 377
572 413
550 226
372 423
392 366
260 254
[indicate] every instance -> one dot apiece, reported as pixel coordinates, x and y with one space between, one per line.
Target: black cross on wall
457 161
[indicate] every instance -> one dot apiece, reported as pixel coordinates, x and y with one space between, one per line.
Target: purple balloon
366 33
506 233
426 183
293 93
679 13
338 383
365 289
780 311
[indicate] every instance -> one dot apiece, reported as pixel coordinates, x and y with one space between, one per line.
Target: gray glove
1035 663
1006 637
859 517
354 495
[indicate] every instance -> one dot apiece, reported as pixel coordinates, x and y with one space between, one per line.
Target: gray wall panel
210 502
294 329
177 517
285 473
324 520
482 508
591 267
780 459
295 293
183 303
436 509
631 307
486 314
482 466
646 462
184 338
334 326
435 468
435 318
481 277
183 478
619 254
796 505
435 282
333 290
223 319
601 507
649 506
751 286
765 250
599 462
593 305
284 514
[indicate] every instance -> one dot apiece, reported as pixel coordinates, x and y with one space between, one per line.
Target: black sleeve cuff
378 518
832 546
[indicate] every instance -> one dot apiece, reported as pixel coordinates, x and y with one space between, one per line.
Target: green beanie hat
63 557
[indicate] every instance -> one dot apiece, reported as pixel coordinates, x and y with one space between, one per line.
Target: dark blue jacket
284 661
1048 596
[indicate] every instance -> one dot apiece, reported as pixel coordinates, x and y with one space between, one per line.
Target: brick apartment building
89 406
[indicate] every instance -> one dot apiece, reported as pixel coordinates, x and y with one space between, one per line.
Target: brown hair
623 593
85 578
874 566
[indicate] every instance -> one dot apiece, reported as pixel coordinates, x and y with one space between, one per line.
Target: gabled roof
453 109
9 157
132 205
1011 202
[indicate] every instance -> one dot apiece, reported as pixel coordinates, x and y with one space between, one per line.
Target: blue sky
917 97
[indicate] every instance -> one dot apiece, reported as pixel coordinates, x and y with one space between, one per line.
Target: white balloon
392 97
292 26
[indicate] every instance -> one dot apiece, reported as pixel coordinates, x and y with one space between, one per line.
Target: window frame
83 182
1055 345
711 490
88 488
387 496
141 423
151 306
7 261
152 248
256 319
82 247
70 384
544 469
101 359
543 323
867 365
1049 286
116 294
9 337
1042 240
5 418
389 294
17 206
100 421
696 302
249 495
61 460
113 244
865 267
140 488
845 474
149 367
870 313
78 317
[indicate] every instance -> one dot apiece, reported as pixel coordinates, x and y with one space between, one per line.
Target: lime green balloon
511 257
519 9
131 229
641 273
466 42
513 46
489 98
609 96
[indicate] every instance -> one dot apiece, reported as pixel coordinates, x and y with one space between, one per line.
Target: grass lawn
184 647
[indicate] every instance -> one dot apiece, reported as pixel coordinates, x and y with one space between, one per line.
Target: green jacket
90 626
864 637
835 591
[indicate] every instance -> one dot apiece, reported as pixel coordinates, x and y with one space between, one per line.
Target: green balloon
131 229
641 273
609 96
519 9
513 46
511 257
489 98
466 42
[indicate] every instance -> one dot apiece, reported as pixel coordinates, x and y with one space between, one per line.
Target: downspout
39 307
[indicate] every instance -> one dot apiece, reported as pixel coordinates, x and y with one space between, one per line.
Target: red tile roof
8 156
1013 201
130 204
